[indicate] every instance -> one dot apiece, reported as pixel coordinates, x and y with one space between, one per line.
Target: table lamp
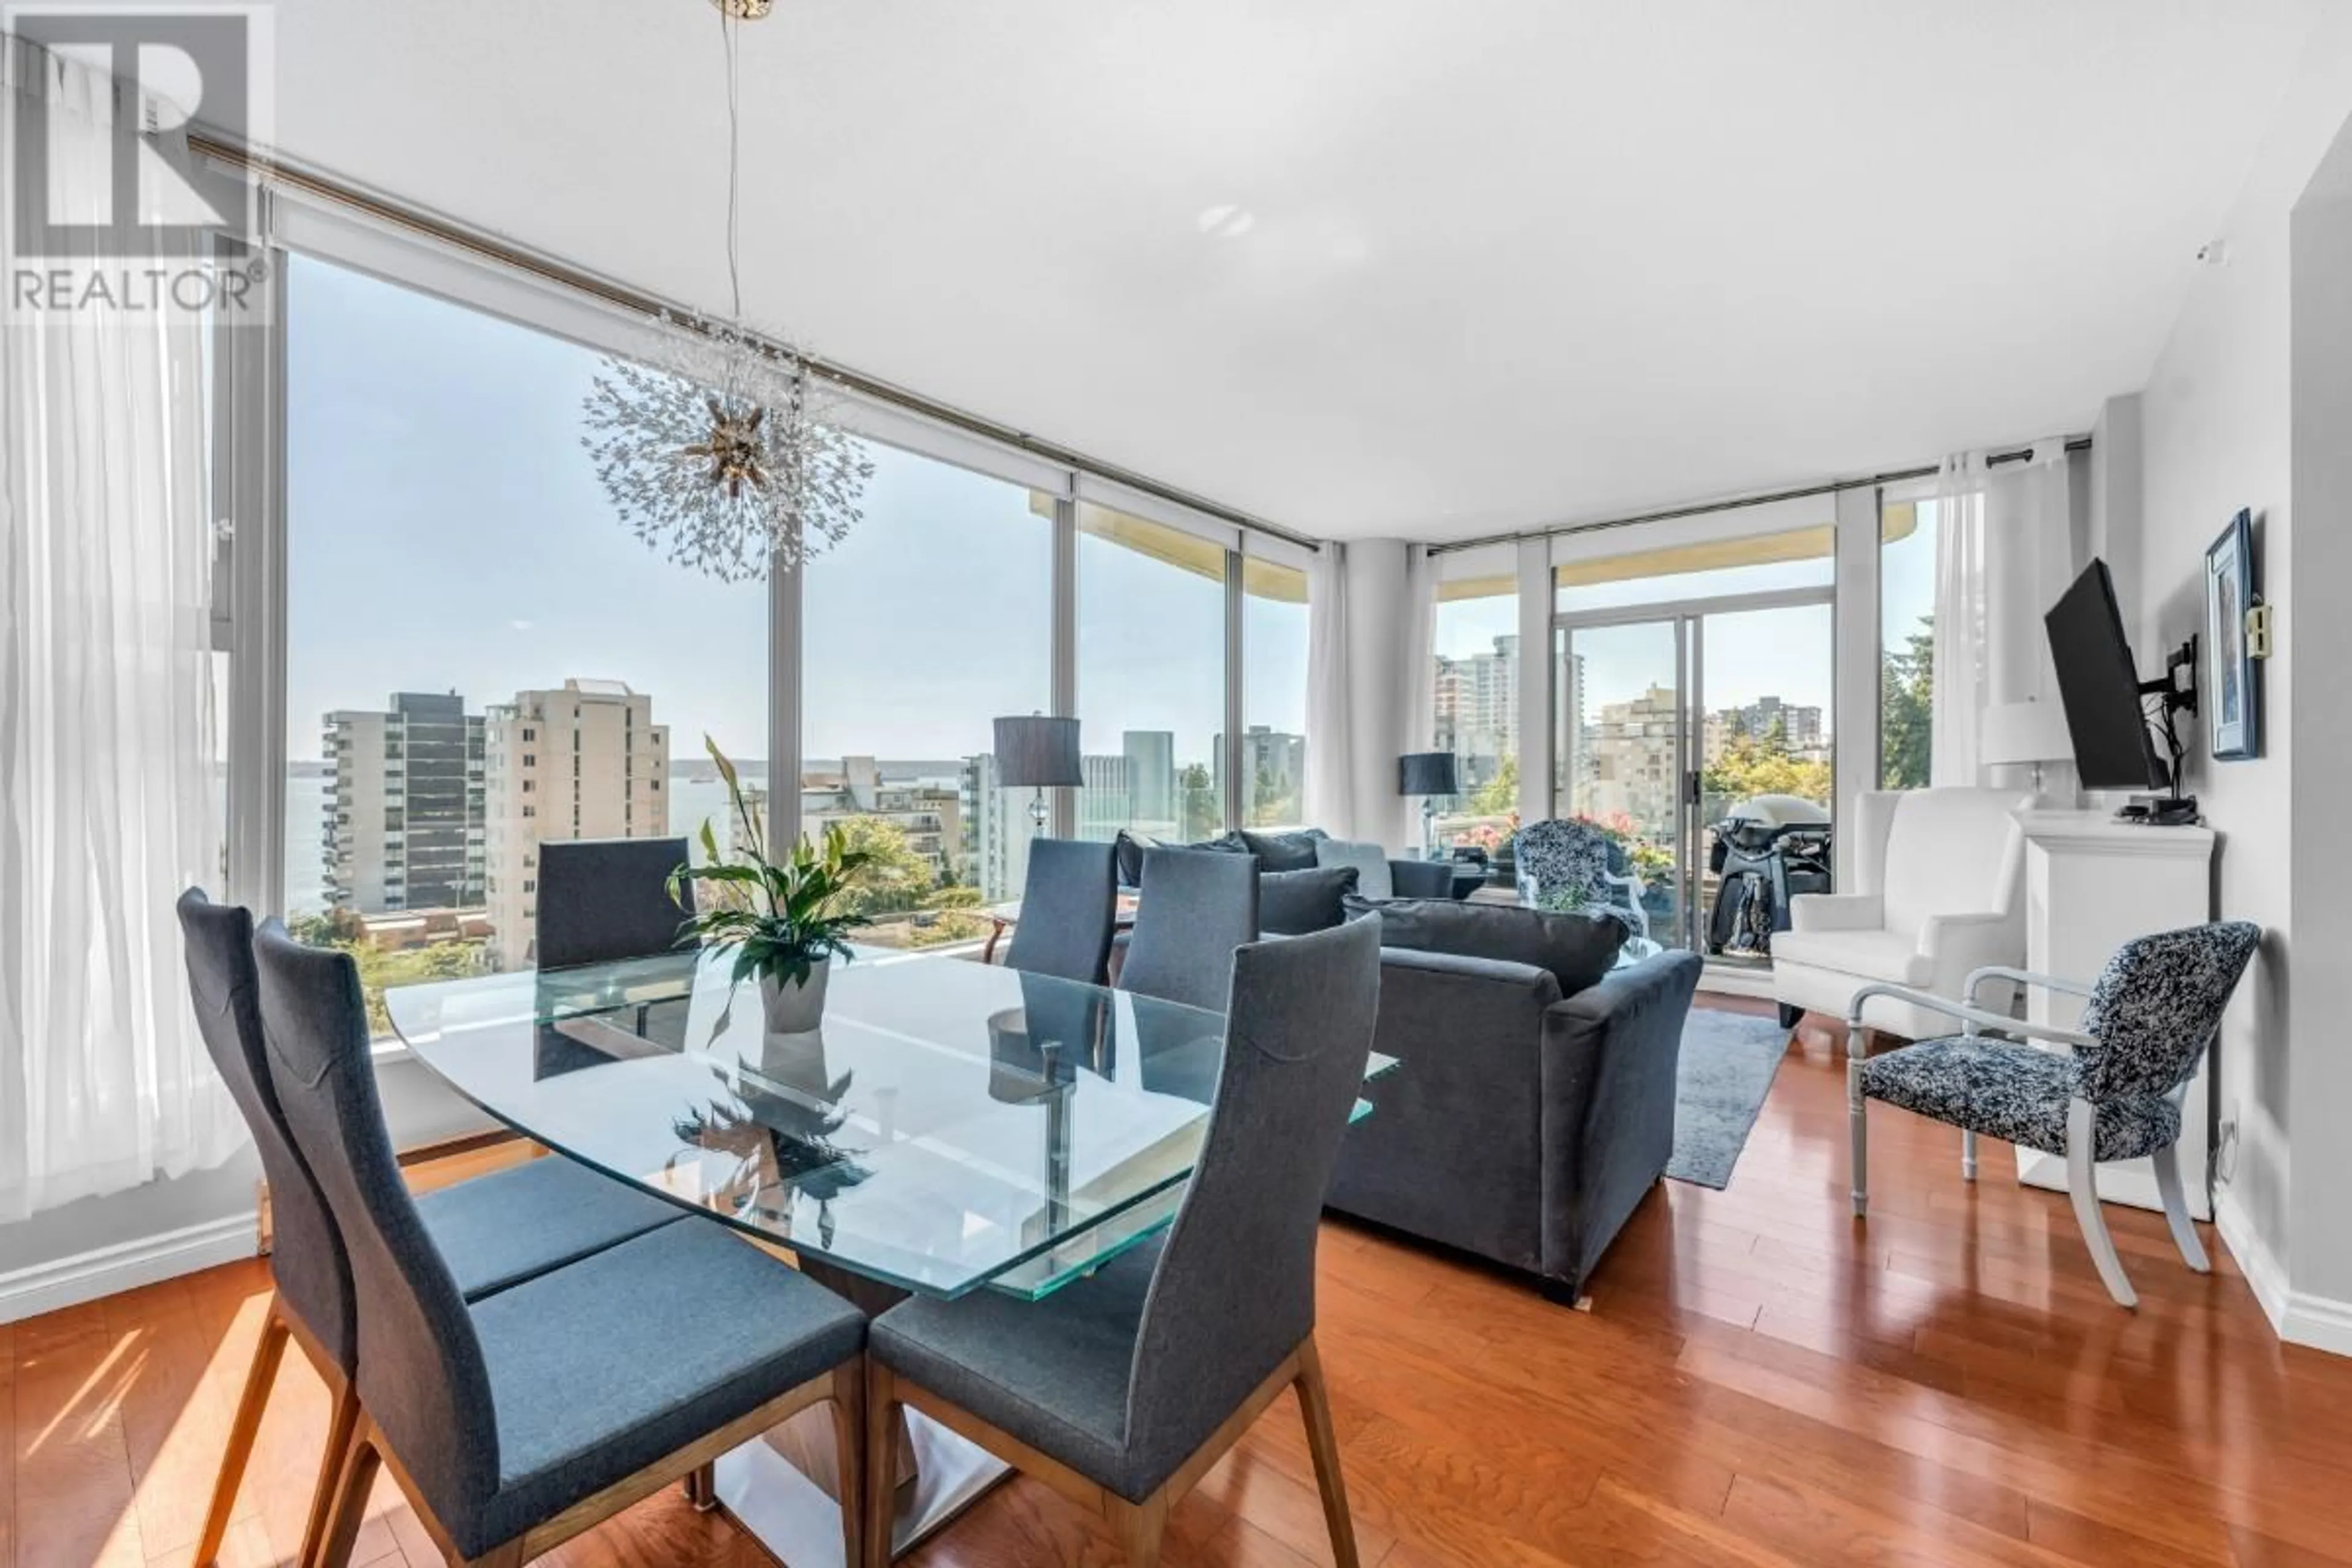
2024 733
1040 752
1427 774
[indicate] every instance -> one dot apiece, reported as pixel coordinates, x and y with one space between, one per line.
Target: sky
446 531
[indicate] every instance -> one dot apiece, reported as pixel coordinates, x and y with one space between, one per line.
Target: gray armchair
2113 1094
1524 1126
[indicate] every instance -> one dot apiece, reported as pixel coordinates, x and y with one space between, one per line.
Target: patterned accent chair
2114 1095
1564 863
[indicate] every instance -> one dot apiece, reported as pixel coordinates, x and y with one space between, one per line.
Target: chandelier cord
727 25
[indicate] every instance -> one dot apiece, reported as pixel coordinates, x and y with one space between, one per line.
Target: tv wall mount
2173 692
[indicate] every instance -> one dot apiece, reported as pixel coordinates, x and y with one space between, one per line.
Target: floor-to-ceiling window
479 656
1150 678
1274 740
1475 707
932 619
1907 642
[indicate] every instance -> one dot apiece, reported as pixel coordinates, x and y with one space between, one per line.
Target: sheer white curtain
106 752
1331 803
1961 622
2005 550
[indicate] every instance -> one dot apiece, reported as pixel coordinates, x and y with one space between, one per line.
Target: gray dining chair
515 1422
1069 905
605 898
1121 1391
2113 1092
495 1231
1197 907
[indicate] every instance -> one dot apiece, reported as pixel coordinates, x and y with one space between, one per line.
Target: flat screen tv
2099 686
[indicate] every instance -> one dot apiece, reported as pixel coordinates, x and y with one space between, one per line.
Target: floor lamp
1040 752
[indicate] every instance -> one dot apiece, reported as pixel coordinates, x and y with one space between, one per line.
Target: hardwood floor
1757 1380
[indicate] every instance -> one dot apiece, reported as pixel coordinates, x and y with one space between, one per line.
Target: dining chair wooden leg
880 1471
849 1444
342 1429
1323 1443
357 1479
1140 1528
258 1381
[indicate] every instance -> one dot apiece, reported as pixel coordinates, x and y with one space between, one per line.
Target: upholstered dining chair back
1235 1290
601 899
305 1256
1069 903
1197 906
2156 1004
421 1373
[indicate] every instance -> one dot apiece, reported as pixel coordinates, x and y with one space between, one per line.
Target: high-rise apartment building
1150 780
1273 773
404 814
586 760
930 814
1477 708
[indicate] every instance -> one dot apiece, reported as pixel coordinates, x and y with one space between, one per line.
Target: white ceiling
1479 266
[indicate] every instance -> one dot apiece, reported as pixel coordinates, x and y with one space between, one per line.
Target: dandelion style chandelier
719 453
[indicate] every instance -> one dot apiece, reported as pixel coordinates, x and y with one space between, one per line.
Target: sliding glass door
1669 719
1623 748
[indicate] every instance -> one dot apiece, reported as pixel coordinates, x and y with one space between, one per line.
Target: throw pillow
1373 878
1292 903
1225 843
1281 851
1579 949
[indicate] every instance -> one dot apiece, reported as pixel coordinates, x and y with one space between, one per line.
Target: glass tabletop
951 1125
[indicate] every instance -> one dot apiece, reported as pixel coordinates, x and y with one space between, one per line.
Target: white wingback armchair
1937 892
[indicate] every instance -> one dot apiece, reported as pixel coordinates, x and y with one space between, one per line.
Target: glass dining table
951 1127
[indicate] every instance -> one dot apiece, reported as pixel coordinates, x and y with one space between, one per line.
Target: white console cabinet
2090 884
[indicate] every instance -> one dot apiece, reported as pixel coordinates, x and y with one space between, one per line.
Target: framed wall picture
2233 704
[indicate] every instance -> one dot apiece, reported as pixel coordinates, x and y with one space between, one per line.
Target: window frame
249 487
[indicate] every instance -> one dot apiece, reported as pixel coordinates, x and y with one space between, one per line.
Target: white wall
83 1250
2216 422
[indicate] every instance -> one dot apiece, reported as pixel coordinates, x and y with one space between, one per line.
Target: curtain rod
1831 487
580 280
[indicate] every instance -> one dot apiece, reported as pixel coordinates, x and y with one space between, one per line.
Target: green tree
1499 795
1752 765
895 877
1906 705
1197 809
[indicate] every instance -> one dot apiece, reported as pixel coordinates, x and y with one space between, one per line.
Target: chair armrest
2021 976
1977 1017
1837 911
1421 879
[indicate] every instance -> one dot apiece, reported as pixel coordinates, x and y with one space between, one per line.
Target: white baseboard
2262 1267
126 1265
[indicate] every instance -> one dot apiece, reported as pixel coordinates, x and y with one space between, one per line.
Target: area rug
1727 1063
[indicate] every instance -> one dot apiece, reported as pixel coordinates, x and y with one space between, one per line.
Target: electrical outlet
2225 1152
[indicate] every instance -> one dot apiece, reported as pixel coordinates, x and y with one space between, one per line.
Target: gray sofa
1524 1126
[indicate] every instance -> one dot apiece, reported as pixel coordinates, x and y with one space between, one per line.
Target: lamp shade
1033 750
2024 733
1427 773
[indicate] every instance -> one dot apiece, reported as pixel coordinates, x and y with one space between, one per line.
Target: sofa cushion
1284 851
1130 848
1371 861
1292 903
1579 949
1223 843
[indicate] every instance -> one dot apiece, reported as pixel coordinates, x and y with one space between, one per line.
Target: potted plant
785 921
